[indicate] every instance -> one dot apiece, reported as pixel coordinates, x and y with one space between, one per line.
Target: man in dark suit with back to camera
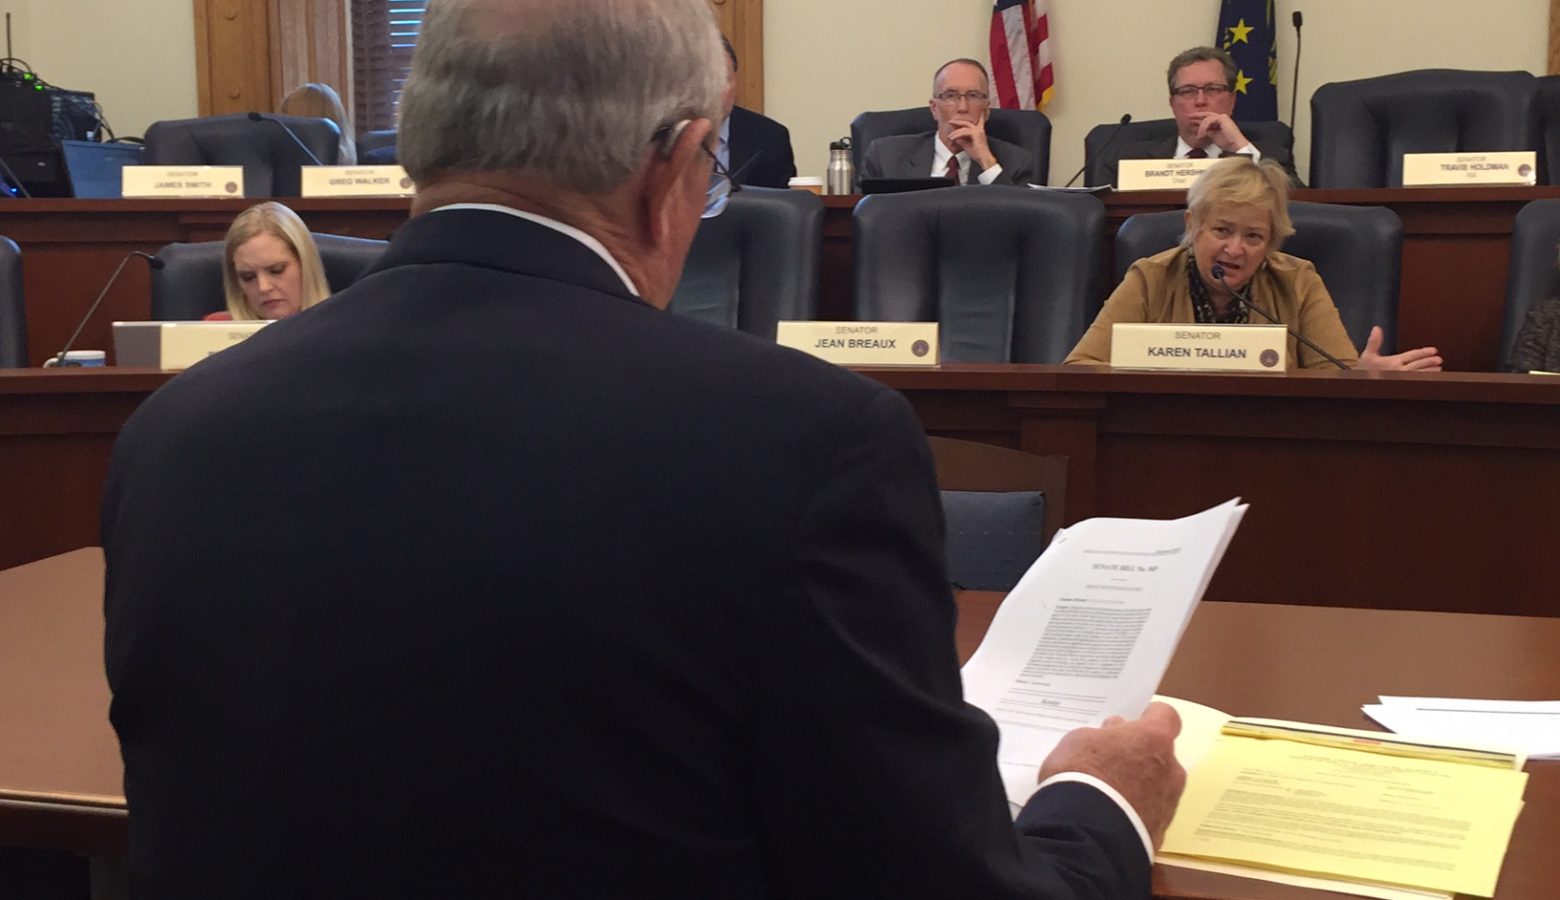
486 577
959 148
1202 98
752 146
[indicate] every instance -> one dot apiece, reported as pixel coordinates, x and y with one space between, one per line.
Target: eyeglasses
722 184
953 97
1211 91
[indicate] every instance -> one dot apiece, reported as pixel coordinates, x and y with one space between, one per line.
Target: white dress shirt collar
594 245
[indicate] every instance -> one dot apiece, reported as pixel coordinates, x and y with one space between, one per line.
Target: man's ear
677 157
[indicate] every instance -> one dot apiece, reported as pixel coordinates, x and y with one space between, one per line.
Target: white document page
1528 726
1089 630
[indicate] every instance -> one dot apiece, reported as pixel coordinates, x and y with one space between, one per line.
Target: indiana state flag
1247 31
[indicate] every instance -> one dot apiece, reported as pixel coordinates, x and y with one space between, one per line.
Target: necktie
1197 153
953 168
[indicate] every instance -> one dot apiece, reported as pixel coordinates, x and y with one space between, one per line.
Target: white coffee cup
807 183
86 359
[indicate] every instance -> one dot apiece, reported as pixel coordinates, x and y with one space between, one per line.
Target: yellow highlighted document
1299 802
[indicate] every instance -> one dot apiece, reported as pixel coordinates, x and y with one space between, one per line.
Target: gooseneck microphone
15 182
262 117
1294 86
1103 147
154 262
1245 300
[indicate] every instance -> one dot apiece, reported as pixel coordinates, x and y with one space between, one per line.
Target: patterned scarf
1202 301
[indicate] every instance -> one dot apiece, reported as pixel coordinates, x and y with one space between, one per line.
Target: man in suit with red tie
959 148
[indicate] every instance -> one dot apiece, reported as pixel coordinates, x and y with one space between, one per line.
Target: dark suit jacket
484 578
910 156
1165 149
754 134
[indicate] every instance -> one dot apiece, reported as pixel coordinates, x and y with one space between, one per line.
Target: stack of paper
1528 727
1351 811
1089 630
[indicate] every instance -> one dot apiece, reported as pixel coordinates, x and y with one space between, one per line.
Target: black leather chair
1011 273
1096 167
269 156
189 285
1533 276
1027 128
1000 508
377 147
1358 251
756 264
1546 105
1361 129
13 310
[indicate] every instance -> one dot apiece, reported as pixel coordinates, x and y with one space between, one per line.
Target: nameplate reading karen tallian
182 181
1159 174
355 181
1456 169
863 343
1227 348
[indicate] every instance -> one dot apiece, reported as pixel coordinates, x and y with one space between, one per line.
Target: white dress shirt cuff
987 176
1114 795
1251 150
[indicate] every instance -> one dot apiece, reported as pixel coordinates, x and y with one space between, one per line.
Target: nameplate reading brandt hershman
863 343
1159 174
182 181
1456 169
355 181
1228 348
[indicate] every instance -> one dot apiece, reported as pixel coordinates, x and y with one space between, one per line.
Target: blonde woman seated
320 101
270 266
1237 216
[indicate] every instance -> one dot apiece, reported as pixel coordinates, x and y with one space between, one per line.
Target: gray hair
569 90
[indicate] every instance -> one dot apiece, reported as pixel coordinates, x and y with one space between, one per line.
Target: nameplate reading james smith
181 181
1226 348
863 343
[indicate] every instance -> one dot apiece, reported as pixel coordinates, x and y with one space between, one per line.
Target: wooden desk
1430 492
1456 247
60 773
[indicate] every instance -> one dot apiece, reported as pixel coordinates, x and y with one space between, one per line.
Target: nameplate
1159 174
177 345
1225 348
863 343
356 181
182 181
1451 169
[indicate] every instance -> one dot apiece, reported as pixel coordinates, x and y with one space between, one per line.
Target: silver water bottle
841 173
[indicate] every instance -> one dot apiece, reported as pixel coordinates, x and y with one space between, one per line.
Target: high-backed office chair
13 309
1097 167
756 264
1000 507
377 147
269 156
1358 251
1533 276
1546 105
189 285
1027 128
1361 129
1011 273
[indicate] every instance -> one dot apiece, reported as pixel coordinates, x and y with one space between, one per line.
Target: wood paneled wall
248 55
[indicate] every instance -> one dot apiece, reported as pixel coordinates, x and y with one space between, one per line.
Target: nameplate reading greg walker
1159 174
1218 348
1456 169
182 181
356 181
863 343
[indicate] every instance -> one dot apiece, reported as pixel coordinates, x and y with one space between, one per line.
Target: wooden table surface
60 772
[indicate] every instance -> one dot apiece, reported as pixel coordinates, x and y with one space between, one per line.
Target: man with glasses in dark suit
959 148
1204 84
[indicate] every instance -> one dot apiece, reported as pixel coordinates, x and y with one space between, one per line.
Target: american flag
1021 54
